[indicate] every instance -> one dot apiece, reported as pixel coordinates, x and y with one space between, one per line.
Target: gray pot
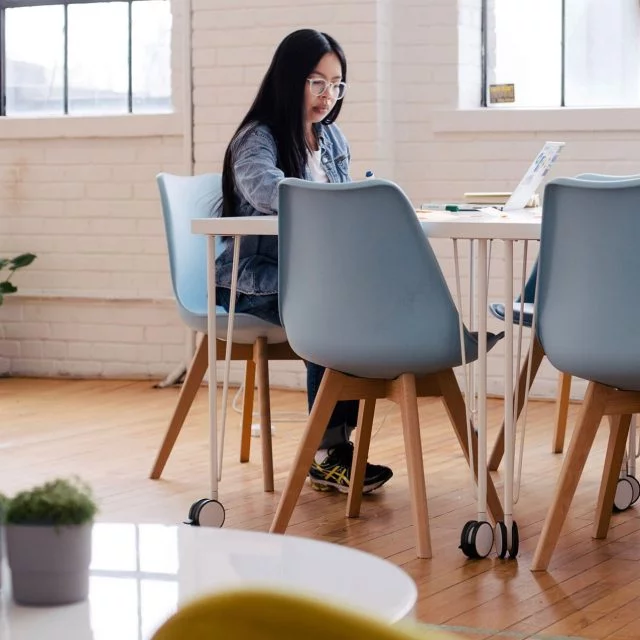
1 552
49 565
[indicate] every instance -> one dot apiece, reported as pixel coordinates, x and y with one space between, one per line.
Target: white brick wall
87 204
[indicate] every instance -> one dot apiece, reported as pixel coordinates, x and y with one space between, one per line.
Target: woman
289 131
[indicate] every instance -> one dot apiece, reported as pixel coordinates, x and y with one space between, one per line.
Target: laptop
518 198
534 176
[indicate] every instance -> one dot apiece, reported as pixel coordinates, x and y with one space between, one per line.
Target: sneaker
334 472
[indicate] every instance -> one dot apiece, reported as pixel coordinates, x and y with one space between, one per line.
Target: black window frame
20 4
484 57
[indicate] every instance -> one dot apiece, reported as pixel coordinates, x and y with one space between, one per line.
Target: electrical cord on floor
283 416
292 416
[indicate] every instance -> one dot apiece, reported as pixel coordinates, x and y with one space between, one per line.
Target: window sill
524 120
124 126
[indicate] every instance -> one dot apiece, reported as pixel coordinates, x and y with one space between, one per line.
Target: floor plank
108 432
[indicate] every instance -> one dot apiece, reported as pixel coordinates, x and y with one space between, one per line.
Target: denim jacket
257 177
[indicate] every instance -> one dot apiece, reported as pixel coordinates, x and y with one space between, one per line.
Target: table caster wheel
501 540
515 541
476 539
206 513
624 495
635 485
465 544
502 543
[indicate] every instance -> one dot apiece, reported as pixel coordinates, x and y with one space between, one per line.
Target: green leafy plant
60 502
4 504
12 265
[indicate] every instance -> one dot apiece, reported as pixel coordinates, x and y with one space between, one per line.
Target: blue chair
254 340
589 264
537 353
362 294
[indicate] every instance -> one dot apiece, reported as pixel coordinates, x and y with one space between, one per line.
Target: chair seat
246 328
497 310
400 361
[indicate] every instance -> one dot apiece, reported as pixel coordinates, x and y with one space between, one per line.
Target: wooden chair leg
314 431
456 409
562 410
581 442
190 386
619 430
360 455
406 397
262 363
537 353
247 410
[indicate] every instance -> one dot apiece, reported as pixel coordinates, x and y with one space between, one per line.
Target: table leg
472 401
228 348
213 399
509 423
482 380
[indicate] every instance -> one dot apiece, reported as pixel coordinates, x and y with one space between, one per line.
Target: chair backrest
184 198
587 304
605 176
530 286
360 288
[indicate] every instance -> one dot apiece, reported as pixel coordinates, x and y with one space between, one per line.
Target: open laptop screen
534 176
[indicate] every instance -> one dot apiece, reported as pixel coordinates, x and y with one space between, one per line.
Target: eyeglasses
317 86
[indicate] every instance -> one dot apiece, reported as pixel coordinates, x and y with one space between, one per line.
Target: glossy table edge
233 542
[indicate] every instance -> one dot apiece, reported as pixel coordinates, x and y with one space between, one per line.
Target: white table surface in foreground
141 573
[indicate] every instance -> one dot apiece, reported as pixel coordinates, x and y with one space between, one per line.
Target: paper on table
437 215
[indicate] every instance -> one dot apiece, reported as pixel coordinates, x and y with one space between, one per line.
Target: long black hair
279 104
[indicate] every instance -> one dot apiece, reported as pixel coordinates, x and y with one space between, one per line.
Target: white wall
87 203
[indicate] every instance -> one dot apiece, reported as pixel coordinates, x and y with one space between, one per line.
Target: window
84 57
557 53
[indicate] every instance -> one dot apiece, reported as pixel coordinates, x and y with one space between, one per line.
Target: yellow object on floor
267 615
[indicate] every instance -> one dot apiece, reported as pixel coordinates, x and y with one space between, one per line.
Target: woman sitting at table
290 131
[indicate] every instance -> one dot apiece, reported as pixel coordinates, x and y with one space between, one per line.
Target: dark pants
345 415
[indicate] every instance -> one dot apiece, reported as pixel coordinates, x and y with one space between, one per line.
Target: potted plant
4 503
12 265
48 540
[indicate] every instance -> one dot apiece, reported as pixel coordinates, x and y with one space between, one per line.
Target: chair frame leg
190 386
360 455
261 359
619 430
581 442
323 406
247 410
537 354
405 395
562 411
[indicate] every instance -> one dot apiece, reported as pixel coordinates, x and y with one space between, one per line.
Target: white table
140 574
481 227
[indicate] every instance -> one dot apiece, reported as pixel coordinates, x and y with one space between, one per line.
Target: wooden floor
108 432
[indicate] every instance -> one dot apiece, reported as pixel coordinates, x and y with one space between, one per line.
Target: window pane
602 53
98 58
35 60
524 49
151 56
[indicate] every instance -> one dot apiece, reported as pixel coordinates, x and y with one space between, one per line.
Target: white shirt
316 170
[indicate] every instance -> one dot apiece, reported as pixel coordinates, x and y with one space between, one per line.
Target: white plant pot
49 565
